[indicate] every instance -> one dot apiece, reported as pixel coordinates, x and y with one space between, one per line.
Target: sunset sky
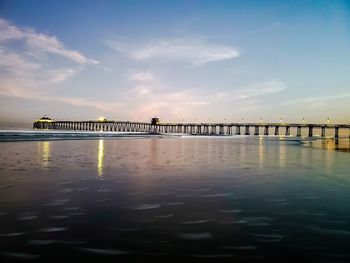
178 60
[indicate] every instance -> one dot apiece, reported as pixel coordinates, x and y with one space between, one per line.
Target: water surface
212 199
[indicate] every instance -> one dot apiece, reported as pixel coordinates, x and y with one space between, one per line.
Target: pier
277 129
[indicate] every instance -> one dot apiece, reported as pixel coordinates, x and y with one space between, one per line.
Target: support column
287 130
256 130
311 131
238 130
277 130
266 130
299 131
323 131
221 132
336 132
247 132
213 129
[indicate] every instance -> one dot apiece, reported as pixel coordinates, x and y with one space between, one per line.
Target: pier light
261 120
328 120
281 119
102 119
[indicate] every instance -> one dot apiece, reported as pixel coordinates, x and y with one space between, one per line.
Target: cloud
31 75
28 71
169 104
101 105
150 95
319 100
39 43
15 63
193 51
15 89
142 77
61 74
260 89
254 91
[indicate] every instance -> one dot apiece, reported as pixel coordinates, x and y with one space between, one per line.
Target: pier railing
277 129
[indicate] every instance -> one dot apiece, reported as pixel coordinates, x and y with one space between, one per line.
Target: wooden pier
278 129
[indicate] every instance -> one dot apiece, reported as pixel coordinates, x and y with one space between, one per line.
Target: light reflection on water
44 153
100 157
342 144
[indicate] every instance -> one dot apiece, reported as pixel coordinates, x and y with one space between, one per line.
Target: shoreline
341 144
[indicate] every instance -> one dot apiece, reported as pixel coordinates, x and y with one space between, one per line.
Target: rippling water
212 199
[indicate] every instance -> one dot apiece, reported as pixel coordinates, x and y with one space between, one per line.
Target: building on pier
155 121
42 123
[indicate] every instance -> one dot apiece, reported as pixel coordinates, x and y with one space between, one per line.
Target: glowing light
100 158
44 153
44 121
102 119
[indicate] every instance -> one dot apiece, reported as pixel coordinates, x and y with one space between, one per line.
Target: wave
36 135
11 135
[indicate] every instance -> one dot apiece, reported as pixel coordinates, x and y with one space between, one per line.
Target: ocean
138 197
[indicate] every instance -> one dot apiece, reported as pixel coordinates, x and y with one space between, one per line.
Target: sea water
170 199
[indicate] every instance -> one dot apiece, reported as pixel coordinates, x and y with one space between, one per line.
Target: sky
190 61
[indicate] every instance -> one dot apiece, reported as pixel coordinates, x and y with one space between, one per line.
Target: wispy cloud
28 71
254 91
319 100
150 96
260 89
170 104
142 77
38 43
15 89
193 51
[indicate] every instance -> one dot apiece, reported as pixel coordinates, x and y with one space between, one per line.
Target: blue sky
178 60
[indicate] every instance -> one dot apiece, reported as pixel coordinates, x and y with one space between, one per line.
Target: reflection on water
261 152
282 154
44 153
100 158
332 144
175 199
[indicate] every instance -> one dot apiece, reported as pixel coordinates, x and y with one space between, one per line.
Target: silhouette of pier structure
277 129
